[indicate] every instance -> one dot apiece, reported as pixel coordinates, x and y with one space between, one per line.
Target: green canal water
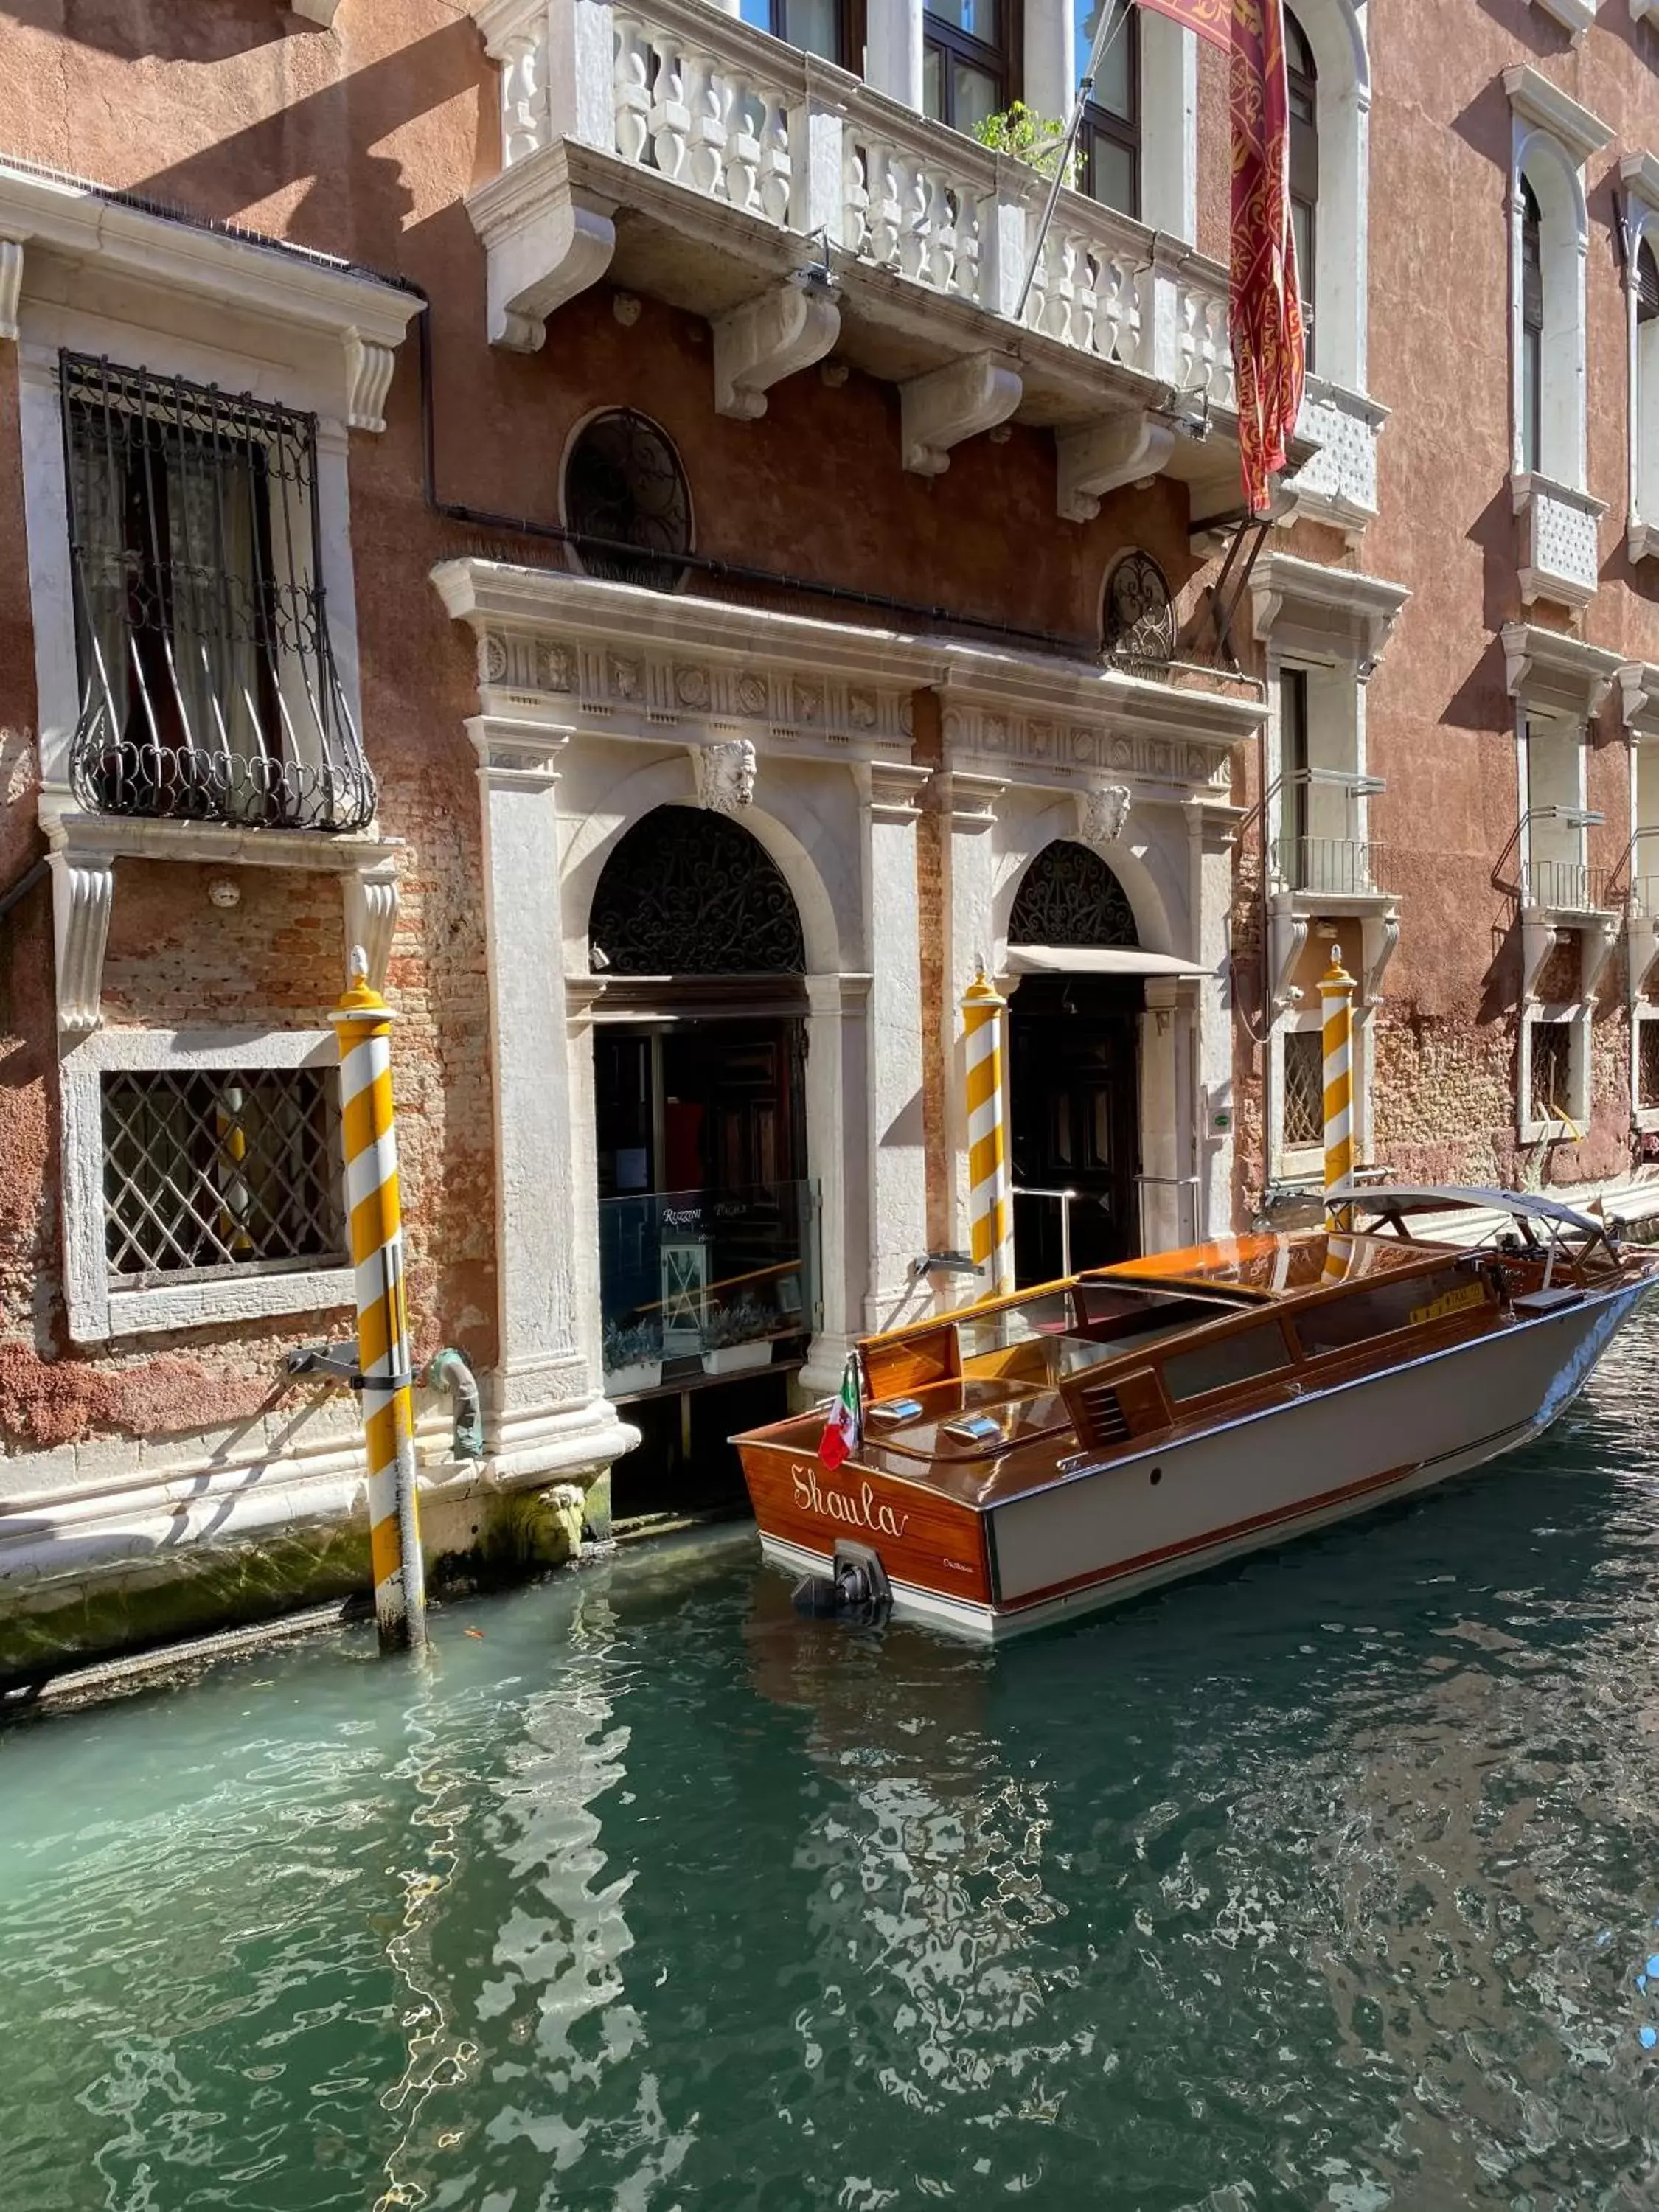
1326 1881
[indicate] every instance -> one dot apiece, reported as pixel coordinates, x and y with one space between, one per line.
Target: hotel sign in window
210 1171
208 685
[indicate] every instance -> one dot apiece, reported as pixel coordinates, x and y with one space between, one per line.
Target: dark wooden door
1075 1119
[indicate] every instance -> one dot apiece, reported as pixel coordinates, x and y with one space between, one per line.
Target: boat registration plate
1451 1302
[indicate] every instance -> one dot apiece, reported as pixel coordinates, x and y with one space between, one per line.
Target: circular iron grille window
624 487
1139 614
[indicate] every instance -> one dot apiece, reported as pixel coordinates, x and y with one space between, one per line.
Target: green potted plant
633 1357
739 1335
1038 140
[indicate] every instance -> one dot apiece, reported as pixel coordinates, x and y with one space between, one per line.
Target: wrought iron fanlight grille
623 487
690 893
208 683
1070 896
1139 614
207 1170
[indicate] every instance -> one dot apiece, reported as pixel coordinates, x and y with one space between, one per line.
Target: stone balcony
1559 559
677 152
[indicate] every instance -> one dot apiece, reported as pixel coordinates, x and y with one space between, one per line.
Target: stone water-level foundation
247 1527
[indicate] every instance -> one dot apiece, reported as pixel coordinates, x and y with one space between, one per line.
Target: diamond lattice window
208 683
1305 1087
209 1170
1551 1071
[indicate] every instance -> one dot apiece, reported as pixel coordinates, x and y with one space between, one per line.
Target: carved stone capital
368 373
724 774
11 285
370 898
892 790
1104 457
941 409
1103 815
516 755
765 339
82 889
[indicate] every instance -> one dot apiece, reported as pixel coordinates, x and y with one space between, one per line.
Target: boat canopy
1394 1200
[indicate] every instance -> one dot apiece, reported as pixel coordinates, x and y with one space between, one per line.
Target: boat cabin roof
1282 1264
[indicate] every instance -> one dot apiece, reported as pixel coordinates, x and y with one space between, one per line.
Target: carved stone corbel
1287 932
1537 944
1595 945
545 239
765 339
82 888
368 378
1103 815
11 285
1105 457
1379 938
941 409
370 898
724 774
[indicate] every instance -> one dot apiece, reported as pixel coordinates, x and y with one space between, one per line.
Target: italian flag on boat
842 1431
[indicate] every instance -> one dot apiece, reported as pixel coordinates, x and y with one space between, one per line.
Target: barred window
1647 1063
1551 1071
210 1171
1305 1087
208 684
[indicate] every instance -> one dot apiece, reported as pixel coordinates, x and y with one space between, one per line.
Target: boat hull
1180 1507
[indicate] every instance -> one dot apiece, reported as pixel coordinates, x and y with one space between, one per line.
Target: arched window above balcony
1328 73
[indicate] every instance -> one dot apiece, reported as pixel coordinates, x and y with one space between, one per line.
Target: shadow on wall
355 205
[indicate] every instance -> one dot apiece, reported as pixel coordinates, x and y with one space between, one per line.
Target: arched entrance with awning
1079 976
708 1266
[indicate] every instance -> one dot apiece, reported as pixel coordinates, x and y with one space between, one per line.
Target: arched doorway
1074 1081
708 1272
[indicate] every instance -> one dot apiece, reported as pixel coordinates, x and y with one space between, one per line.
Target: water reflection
1323 1882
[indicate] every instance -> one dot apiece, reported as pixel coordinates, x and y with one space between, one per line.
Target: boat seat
1550 1301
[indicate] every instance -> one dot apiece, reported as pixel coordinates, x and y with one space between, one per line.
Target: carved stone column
898 1193
543 1412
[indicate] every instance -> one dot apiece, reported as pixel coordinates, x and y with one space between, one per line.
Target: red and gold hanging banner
1211 19
1264 318
1264 315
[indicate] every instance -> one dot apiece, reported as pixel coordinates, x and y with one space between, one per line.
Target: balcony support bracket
1537 943
1595 944
765 339
545 239
1104 458
1380 937
941 409
370 897
1287 932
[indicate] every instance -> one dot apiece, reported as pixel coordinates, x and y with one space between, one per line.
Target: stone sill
202 1305
145 837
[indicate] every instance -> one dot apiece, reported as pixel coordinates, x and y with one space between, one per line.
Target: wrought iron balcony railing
1335 867
1568 887
209 686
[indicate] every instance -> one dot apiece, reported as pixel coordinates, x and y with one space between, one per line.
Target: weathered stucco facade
855 617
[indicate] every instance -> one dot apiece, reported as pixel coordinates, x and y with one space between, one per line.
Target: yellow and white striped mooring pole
1336 990
363 1021
990 1200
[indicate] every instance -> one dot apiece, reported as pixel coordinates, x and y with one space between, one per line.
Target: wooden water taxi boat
1034 1457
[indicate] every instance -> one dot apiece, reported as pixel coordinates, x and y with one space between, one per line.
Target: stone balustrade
681 94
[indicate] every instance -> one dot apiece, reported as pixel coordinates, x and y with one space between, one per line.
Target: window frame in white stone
1534 1129
98 1310
1291 1162
1638 684
1331 627
1552 139
1639 226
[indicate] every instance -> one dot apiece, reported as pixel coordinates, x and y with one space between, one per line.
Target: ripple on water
1325 1883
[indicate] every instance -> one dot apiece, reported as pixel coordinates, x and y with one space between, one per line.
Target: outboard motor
856 1590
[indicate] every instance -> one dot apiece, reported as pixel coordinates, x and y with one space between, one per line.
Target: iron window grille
1551 1071
1141 624
1305 1087
624 489
1068 896
211 1171
688 892
1647 1063
209 691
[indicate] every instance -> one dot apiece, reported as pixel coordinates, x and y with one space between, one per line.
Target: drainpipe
449 1370
24 885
